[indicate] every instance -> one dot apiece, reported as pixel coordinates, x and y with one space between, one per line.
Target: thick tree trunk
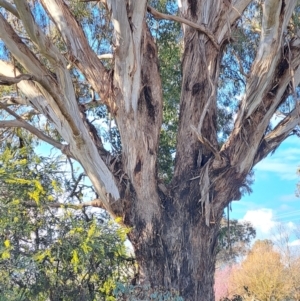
180 253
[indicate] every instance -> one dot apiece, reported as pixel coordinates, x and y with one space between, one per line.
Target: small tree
262 275
290 256
233 241
47 250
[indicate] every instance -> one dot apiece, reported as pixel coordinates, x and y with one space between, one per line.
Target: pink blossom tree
222 277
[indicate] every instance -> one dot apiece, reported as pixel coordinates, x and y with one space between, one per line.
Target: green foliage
235 65
233 242
53 254
168 40
144 293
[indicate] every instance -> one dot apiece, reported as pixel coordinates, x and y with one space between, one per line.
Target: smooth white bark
84 150
128 24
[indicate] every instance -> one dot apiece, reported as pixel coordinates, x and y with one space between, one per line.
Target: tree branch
128 22
9 81
19 122
105 56
237 8
48 83
9 7
96 203
14 100
79 51
267 87
268 54
278 134
198 27
41 41
62 108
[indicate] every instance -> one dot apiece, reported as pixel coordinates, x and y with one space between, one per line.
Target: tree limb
63 109
198 27
9 7
79 51
41 41
268 54
87 154
19 122
48 83
57 60
283 129
96 203
9 81
237 8
267 87
128 22
14 100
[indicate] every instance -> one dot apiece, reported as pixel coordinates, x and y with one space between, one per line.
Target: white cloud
262 219
284 162
268 225
295 243
291 225
285 170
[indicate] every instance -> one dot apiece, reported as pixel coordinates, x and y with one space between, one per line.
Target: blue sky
273 199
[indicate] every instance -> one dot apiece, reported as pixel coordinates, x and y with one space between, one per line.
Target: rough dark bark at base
179 252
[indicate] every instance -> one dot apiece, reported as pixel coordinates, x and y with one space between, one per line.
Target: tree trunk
179 251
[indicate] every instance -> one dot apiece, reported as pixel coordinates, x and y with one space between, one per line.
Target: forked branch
198 27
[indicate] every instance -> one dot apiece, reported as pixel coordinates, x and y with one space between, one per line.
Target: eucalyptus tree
55 50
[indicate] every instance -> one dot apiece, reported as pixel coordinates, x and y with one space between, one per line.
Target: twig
76 184
13 100
198 27
97 203
20 122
